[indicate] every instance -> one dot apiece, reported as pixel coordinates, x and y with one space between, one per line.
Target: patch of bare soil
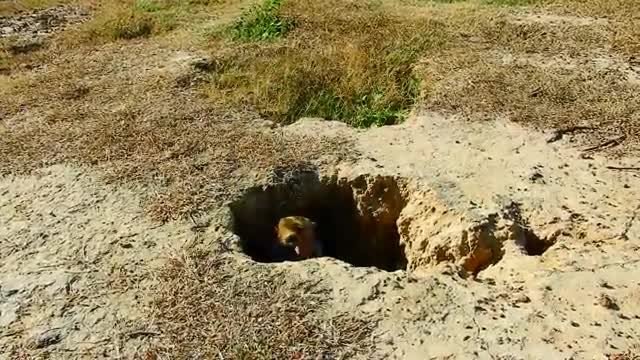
72 279
41 23
594 62
80 278
559 20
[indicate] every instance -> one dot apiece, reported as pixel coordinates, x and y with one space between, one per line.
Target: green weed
340 71
261 22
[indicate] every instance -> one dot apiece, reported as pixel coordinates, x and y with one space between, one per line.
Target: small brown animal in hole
299 232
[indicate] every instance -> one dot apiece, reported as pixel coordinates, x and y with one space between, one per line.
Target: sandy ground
543 307
79 255
517 247
73 253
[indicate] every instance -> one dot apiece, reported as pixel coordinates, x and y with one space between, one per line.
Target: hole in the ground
533 245
524 236
356 219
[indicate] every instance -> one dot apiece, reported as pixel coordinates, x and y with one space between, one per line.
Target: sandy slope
548 306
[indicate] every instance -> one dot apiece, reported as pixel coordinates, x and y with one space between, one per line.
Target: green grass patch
149 5
261 22
448 1
345 61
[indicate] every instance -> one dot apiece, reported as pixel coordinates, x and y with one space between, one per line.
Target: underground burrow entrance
356 218
524 236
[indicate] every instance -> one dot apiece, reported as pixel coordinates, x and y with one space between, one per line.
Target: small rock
268 124
537 177
8 313
48 338
605 285
522 298
607 302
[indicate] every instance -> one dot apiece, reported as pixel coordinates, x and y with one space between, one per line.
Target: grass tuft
121 20
345 62
147 5
129 26
261 22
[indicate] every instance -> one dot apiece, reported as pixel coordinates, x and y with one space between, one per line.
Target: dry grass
342 61
624 31
211 307
101 102
477 84
123 19
142 128
115 20
545 75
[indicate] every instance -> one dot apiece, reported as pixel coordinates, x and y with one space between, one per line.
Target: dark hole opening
535 246
356 220
523 234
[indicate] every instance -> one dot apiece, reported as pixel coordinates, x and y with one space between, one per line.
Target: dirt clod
607 302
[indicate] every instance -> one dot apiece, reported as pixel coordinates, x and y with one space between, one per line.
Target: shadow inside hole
534 246
346 233
524 235
528 241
